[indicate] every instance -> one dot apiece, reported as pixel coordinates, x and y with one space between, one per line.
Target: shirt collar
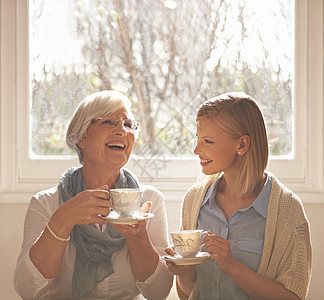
260 204
211 194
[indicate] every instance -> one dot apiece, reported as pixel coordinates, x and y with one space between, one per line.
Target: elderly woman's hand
85 208
135 229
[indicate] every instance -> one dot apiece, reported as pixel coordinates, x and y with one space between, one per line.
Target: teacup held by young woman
188 243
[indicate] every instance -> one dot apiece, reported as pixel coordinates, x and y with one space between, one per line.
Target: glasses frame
115 121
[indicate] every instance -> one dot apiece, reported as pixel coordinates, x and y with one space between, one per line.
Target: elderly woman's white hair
93 106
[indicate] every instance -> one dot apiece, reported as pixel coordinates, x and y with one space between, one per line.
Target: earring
239 153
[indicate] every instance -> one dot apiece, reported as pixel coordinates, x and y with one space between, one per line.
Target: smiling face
106 146
217 151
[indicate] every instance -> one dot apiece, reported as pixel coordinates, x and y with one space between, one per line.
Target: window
21 172
168 57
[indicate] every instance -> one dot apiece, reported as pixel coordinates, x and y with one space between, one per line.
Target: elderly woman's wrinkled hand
135 229
86 207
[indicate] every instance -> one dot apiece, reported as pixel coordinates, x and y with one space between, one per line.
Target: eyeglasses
109 122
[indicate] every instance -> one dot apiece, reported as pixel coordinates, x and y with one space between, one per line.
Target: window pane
167 56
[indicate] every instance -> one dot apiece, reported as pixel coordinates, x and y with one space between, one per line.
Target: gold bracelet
55 235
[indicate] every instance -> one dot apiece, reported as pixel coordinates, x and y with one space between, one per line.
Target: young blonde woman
259 238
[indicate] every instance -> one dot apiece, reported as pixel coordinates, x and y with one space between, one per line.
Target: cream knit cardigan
287 254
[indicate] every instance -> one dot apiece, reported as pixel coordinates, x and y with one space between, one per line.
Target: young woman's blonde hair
96 105
236 114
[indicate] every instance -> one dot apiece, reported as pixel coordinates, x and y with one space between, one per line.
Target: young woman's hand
220 250
177 269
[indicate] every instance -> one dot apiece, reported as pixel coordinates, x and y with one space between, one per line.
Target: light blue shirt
244 230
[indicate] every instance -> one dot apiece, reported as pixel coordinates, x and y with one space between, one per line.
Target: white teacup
187 243
125 202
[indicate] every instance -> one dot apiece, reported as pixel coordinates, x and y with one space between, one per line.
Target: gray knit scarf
94 248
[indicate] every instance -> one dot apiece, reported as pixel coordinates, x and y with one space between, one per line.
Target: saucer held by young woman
183 261
114 218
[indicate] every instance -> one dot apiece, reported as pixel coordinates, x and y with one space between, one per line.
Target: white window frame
20 175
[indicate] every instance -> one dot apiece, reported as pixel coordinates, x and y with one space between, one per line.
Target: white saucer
114 218
183 261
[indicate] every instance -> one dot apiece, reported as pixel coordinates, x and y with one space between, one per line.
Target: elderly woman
70 251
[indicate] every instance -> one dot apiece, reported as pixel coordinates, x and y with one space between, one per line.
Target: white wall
12 221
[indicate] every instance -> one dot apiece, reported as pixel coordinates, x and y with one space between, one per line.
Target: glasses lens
109 122
128 124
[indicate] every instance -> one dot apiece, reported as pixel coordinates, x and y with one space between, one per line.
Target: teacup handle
110 200
201 235
204 232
